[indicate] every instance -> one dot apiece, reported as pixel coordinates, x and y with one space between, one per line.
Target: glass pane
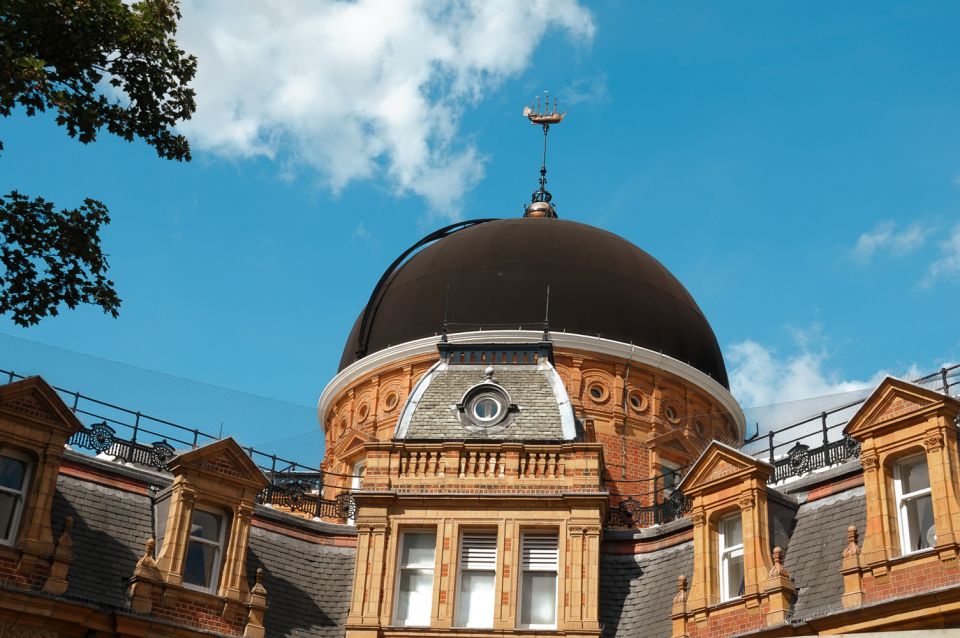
476 599
201 564
914 476
732 531
415 597
734 575
486 408
538 602
919 520
205 525
8 507
418 549
12 472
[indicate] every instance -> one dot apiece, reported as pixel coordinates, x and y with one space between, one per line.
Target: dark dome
498 273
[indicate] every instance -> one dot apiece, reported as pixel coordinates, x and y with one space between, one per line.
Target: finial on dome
540 205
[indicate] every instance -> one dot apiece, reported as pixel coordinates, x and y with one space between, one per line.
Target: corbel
56 582
257 605
779 590
146 579
853 595
678 613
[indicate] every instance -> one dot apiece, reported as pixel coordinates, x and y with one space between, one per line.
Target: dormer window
201 567
14 476
911 482
486 408
730 542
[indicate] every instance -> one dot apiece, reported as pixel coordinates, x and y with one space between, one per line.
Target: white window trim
671 467
22 493
556 572
725 553
903 524
356 482
220 545
460 622
400 569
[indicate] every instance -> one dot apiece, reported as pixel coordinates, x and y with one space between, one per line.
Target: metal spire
540 205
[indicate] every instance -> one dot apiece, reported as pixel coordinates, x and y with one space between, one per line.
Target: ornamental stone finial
852 550
778 570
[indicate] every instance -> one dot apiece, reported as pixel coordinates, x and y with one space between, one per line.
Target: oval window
486 408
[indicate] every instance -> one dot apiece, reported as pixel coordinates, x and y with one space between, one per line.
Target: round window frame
478 393
670 414
391 401
604 392
640 398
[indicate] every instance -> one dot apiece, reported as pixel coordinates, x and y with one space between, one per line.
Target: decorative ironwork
346 506
100 437
851 447
633 513
161 453
799 459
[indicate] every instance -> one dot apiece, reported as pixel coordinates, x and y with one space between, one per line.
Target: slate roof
308 585
435 416
816 547
636 592
110 527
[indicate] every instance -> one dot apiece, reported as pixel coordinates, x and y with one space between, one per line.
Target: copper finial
540 205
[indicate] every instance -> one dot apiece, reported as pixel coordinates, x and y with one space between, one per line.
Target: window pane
732 531
919 520
476 599
8 507
12 472
418 549
201 563
914 475
415 597
205 525
734 575
538 604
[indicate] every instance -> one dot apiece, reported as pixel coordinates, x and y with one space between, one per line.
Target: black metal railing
818 441
134 437
633 513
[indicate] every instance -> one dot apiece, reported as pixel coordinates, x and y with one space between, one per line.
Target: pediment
351 442
224 459
718 462
893 401
674 441
33 399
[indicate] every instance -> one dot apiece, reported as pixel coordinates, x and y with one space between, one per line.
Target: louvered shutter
478 551
539 552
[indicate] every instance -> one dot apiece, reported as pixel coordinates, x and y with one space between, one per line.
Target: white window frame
220 545
356 482
673 468
903 521
21 494
483 560
543 567
725 553
401 567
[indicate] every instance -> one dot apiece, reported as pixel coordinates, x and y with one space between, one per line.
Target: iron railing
152 442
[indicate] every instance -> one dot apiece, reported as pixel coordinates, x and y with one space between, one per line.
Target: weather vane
540 205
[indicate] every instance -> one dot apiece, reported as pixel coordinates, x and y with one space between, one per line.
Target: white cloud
361 90
761 377
887 238
947 265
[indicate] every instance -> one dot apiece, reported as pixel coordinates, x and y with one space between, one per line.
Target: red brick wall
911 578
729 622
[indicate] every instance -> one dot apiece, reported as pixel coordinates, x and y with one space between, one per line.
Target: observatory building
531 433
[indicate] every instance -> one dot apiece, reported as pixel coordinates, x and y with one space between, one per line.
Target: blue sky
796 166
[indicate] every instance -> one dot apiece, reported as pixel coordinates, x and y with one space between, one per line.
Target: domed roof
498 273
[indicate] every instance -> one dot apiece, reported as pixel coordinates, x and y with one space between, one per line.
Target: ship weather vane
541 115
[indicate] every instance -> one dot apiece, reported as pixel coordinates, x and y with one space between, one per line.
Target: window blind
478 551
539 552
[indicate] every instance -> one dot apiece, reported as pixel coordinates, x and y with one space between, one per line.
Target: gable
719 462
33 399
224 459
675 441
893 401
